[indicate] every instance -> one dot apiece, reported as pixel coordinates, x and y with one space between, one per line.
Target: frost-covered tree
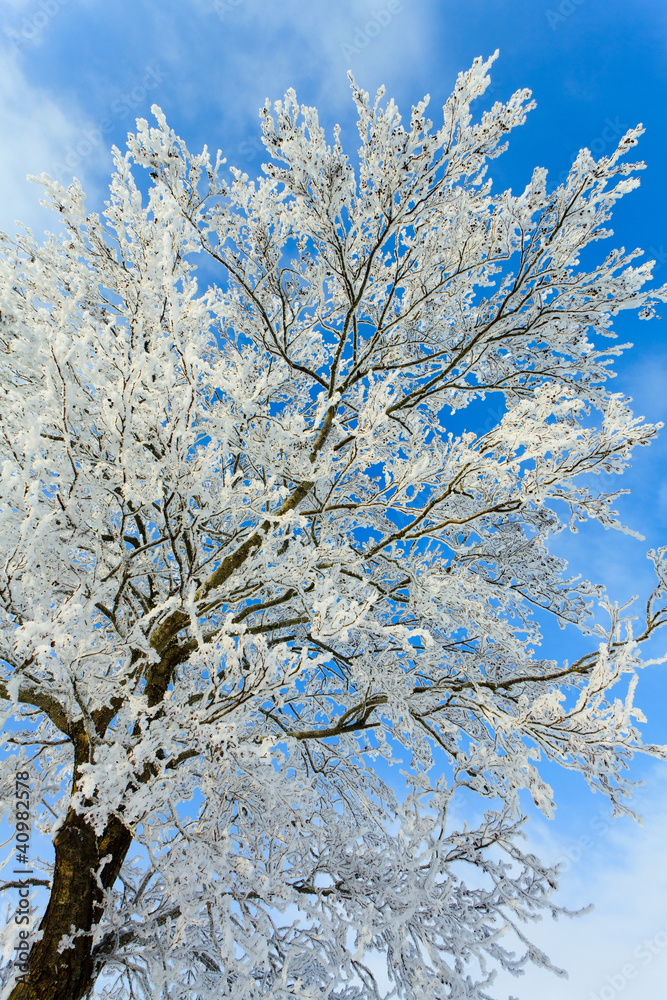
249 558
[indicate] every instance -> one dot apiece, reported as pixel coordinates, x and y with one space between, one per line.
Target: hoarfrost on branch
247 559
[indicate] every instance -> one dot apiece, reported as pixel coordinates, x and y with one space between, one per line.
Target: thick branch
31 694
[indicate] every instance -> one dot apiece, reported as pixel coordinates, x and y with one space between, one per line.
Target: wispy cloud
311 47
622 868
35 129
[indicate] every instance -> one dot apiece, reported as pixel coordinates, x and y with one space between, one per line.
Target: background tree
248 560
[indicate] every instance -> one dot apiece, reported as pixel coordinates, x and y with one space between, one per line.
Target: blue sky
75 73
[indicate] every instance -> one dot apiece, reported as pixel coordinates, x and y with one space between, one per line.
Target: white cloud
311 47
644 377
35 132
44 134
620 948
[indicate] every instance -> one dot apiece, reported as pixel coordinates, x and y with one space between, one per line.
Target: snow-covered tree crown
246 562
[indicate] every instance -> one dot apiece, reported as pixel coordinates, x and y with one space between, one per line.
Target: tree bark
75 907
76 903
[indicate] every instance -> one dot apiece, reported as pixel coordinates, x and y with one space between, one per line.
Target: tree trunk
76 903
75 907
